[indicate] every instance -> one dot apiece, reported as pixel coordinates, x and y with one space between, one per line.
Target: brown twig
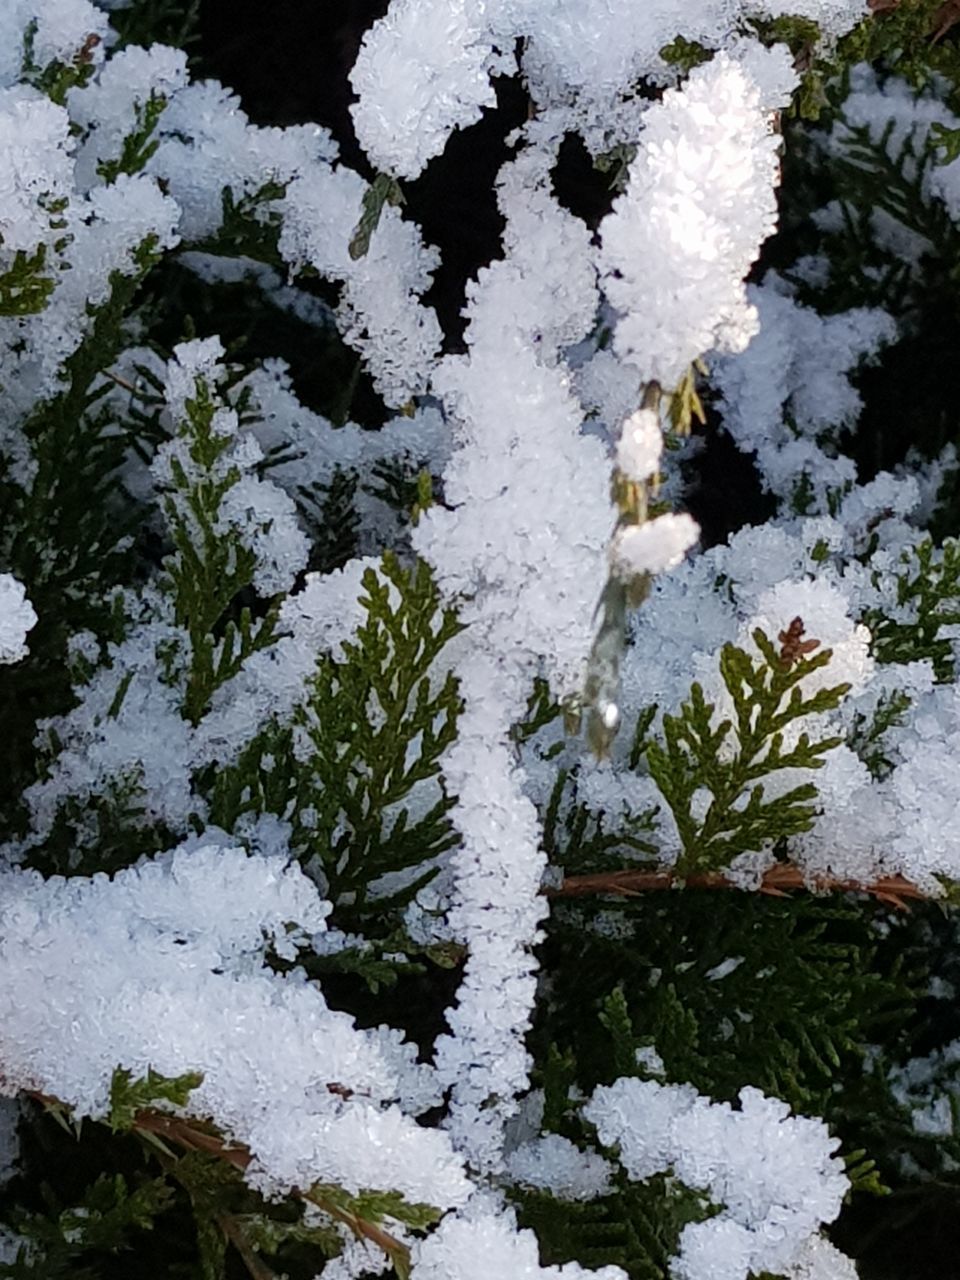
778 882
946 17
121 382
251 1259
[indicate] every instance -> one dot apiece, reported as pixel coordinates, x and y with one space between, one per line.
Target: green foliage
128 1095
364 1213
867 175
375 1206
349 785
803 38
109 1213
556 1075
259 780
730 761
542 710
800 35
929 588
249 227
866 737
945 142
382 191
56 79
26 285
333 520
795 1017
70 535
66 528
377 721
617 163
869 178
139 145
581 839
901 38
685 54
615 1019
637 1227
210 566
863 1174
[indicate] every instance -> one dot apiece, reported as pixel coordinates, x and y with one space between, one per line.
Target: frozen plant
315 901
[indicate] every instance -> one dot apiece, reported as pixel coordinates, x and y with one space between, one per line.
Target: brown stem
251 1259
777 882
360 1226
121 382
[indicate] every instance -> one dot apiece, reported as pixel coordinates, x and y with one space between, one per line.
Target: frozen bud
641 444
652 547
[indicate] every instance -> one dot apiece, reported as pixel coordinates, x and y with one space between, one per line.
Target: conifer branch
778 882
192 1136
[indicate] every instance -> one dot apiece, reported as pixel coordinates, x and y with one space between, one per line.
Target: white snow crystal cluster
699 202
84 232
129 728
775 1176
422 70
484 1242
866 826
162 967
17 618
425 71
788 398
653 546
555 1164
640 445
380 312
518 447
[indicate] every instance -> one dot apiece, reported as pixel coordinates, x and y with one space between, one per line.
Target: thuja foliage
799 989
929 584
129 530
362 767
767 697
208 570
365 743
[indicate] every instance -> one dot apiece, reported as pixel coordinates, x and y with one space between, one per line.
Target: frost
485 1242
820 1260
421 71
113 106
775 1176
173 964
61 29
699 202
794 380
552 1163
17 617
162 967
518 445
379 310
640 446
654 546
